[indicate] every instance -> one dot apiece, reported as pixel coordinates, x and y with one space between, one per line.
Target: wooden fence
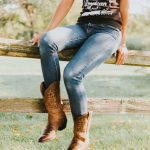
18 48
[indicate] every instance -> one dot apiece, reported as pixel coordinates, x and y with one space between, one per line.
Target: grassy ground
17 74
136 87
21 77
108 132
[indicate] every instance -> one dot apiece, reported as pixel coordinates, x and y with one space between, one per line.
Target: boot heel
63 125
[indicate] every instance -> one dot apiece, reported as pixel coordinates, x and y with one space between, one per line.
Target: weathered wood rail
18 48
98 105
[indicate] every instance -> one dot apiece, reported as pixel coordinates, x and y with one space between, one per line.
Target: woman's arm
124 11
60 13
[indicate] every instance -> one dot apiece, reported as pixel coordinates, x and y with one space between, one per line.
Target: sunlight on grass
108 132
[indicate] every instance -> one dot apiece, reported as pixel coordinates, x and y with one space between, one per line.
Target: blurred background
20 77
20 19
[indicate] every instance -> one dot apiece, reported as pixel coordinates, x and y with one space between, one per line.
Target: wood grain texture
97 105
18 48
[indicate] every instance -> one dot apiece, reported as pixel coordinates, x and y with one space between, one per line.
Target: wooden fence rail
98 105
18 48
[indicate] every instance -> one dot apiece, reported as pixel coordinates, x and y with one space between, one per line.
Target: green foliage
138 32
27 17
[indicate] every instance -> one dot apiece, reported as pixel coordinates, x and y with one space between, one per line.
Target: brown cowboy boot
80 140
56 116
43 88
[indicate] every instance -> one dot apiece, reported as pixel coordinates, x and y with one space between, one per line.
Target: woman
99 32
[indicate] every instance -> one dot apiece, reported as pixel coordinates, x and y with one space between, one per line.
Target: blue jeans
97 43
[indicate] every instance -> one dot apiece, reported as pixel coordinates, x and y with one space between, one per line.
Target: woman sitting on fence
99 32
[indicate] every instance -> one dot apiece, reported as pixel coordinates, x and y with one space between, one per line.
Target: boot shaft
81 132
82 123
52 98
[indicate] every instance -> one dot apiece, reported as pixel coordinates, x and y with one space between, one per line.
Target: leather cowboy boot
56 116
80 140
43 88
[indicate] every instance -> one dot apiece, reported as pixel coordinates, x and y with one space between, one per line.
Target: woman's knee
47 44
67 75
70 76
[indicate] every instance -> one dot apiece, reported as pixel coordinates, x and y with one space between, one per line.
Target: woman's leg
56 40
53 41
95 50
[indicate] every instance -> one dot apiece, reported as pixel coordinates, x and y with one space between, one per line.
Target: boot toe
47 137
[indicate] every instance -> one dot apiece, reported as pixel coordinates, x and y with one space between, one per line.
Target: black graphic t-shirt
101 12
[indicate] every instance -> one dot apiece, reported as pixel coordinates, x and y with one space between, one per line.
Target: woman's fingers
120 57
122 54
35 39
121 60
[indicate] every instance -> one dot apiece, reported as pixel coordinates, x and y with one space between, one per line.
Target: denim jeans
97 43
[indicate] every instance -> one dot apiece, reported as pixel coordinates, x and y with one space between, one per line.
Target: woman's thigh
64 37
95 50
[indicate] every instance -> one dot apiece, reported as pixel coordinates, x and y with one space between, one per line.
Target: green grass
97 86
20 131
108 132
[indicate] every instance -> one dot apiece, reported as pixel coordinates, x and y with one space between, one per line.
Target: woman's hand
124 11
35 40
122 54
